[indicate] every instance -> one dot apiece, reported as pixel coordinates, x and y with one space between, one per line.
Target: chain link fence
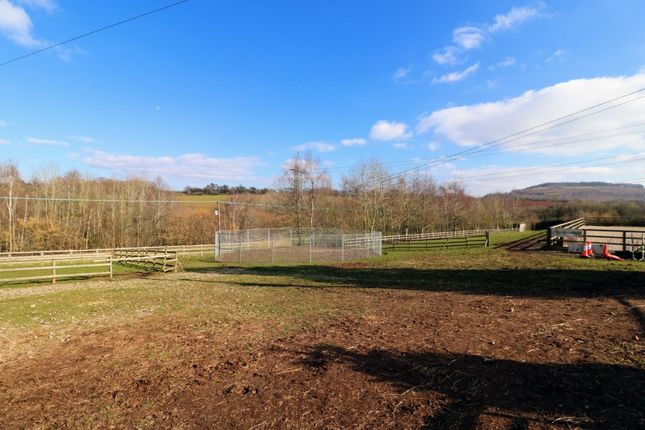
287 245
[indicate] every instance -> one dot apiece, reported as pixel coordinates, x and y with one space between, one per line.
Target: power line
92 32
512 174
516 136
558 141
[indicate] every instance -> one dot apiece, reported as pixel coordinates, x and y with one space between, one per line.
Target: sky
229 91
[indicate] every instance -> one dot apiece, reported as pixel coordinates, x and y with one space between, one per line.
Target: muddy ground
391 357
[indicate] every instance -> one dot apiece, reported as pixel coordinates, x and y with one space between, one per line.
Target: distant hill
592 191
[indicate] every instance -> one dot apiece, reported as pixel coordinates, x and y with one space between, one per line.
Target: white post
53 271
272 252
239 246
342 248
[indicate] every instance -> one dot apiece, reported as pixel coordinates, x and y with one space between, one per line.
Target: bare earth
399 353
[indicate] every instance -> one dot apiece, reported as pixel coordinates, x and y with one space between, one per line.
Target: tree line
214 189
73 211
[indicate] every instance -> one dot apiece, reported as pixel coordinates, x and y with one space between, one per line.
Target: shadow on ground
556 395
621 285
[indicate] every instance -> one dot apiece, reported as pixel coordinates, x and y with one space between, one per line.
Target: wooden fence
556 234
56 267
179 249
625 239
149 259
53 269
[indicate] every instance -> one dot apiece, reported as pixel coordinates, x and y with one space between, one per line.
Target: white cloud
16 25
36 141
315 146
400 145
433 146
357 141
4 142
84 139
389 130
187 167
471 125
506 62
47 5
401 73
469 37
494 178
449 55
557 55
514 17
456 76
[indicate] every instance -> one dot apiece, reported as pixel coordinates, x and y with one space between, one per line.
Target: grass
7 278
201 201
236 292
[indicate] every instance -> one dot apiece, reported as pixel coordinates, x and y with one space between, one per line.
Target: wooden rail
179 249
151 259
57 269
554 234
442 235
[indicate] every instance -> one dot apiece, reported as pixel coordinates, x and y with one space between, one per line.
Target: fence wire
287 245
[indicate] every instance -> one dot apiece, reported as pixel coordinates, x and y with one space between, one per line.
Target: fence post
239 247
110 267
342 248
624 241
487 243
311 256
269 237
53 271
272 252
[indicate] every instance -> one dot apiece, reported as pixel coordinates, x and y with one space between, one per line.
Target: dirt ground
398 355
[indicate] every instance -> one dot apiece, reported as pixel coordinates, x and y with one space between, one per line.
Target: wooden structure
54 268
160 260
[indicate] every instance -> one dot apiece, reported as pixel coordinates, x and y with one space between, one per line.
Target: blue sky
229 91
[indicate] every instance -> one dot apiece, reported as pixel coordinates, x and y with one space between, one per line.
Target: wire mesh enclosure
287 245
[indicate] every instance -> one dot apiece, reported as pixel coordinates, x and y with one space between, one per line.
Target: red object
587 250
607 255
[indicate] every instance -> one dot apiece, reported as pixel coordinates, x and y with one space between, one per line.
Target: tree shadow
554 284
557 395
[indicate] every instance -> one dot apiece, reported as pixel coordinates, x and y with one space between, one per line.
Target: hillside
591 191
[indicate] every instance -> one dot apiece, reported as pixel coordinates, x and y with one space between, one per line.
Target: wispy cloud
449 55
469 37
36 141
84 139
188 167
389 130
514 17
401 74
47 5
433 146
315 146
457 76
400 145
557 55
357 141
